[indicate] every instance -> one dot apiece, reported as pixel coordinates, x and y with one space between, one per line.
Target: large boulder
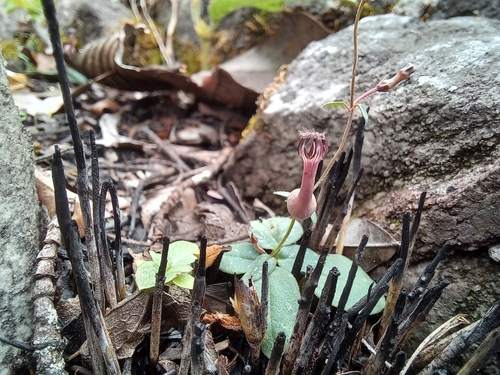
439 131
19 237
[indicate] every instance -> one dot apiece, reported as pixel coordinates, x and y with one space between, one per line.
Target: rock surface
439 131
19 237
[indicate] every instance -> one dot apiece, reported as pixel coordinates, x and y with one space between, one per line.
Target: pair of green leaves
181 255
284 291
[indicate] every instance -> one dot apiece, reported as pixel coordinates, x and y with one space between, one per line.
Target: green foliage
218 9
336 104
181 255
284 292
363 111
33 7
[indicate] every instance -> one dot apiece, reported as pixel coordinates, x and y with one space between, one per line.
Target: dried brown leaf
225 320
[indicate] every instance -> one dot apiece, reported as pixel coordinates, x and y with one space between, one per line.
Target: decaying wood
466 337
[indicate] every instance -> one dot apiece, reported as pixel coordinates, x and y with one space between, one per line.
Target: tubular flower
313 148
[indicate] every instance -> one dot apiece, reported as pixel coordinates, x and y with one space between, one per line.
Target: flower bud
313 148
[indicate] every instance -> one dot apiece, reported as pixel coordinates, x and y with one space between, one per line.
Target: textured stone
18 231
439 131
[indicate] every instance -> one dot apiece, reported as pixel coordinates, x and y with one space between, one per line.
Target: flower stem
275 252
351 106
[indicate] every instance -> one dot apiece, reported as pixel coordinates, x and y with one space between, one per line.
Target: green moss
189 54
10 49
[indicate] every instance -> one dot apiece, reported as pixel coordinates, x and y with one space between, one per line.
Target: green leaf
364 112
283 305
181 255
145 275
254 272
359 288
336 104
271 231
287 256
218 9
175 270
184 280
239 259
284 194
182 252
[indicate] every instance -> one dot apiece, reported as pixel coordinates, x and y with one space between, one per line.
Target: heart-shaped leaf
271 231
181 255
254 272
239 259
359 288
286 257
283 305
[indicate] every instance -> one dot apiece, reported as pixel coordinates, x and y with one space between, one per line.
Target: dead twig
209 172
157 307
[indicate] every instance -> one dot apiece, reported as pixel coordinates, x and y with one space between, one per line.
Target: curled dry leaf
109 55
248 308
227 321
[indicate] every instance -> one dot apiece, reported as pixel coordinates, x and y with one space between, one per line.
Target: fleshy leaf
271 231
239 259
255 270
359 288
283 305
286 257
184 280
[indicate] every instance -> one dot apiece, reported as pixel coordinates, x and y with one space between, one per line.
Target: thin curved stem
351 106
275 252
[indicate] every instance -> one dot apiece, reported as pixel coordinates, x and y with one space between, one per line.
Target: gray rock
439 131
19 239
7 26
444 9
92 20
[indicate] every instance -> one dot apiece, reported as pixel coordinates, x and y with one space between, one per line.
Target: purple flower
313 148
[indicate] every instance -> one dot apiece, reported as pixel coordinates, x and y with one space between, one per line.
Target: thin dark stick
331 346
397 283
299 258
198 349
273 366
89 306
343 212
109 279
398 364
416 293
120 271
416 219
376 363
305 302
317 327
326 201
61 196
18 344
393 270
97 228
350 279
82 178
264 299
154 347
197 297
